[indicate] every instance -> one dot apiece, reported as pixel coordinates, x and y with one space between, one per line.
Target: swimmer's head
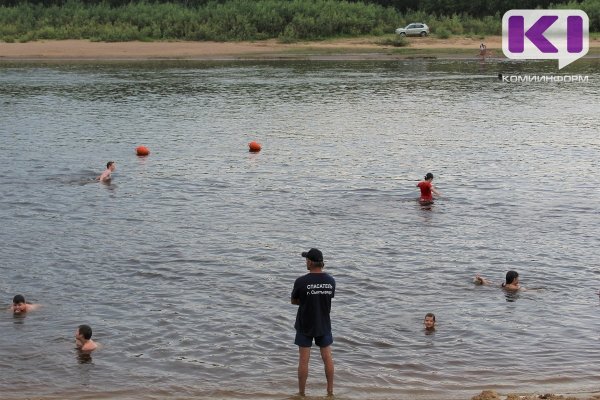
111 165
85 331
512 278
19 305
429 321
429 176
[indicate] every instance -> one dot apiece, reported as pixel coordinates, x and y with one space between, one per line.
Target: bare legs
304 353
328 362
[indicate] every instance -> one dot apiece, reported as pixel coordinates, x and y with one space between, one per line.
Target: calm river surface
184 265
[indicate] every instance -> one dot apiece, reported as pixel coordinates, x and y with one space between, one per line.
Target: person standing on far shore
482 50
313 293
427 189
106 175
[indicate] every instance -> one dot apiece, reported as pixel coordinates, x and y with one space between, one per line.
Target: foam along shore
492 395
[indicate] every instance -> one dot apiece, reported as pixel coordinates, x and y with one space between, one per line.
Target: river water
184 264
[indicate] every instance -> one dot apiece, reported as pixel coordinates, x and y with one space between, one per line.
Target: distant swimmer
512 281
83 338
427 189
429 322
106 175
19 305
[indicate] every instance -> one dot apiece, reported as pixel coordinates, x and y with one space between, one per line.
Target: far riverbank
366 48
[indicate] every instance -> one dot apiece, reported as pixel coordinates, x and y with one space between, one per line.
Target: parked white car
414 29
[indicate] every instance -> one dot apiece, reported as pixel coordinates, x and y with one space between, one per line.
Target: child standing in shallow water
427 188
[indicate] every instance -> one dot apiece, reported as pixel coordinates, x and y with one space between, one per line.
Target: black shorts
306 341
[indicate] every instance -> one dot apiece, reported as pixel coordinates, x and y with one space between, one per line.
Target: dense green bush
230 20
591 8
443 33
396 41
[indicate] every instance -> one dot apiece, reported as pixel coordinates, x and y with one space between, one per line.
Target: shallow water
184 264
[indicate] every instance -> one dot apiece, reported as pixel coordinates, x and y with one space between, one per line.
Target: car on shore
414 29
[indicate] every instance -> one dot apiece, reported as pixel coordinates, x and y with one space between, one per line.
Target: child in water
429 322
512 281
83 338
106 175
427 189
19 305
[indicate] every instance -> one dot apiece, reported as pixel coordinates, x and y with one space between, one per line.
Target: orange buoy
142 151
254 147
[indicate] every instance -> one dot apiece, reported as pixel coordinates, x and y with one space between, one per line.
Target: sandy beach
361 48
356 48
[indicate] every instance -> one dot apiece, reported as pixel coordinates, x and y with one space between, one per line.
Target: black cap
313 255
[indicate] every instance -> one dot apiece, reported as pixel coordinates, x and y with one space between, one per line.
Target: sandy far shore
268 49
356 48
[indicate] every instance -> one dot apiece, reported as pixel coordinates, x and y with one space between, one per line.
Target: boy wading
313 293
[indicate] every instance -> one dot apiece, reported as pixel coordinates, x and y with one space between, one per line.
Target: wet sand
127 395
360 48
366 48
492 395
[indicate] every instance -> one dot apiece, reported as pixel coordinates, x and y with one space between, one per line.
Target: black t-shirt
315 291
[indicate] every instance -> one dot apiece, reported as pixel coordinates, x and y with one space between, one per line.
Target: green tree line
226 20
475 8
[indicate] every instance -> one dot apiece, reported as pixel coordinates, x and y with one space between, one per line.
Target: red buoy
254 147
142 151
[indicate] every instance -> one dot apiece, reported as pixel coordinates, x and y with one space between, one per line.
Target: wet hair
429 176
85 331
18 299
430 315
108 164
510 277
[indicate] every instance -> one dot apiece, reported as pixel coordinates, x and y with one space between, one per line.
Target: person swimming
429 322
106 175
427 189
19 305
511 283
83 338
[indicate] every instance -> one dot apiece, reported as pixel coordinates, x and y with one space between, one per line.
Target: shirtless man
83 338
105 176
19 305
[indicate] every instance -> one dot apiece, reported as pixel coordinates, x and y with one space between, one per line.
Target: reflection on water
84 357
186 274
511 295
18 319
